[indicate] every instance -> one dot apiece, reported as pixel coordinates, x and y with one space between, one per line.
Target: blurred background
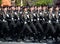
26 2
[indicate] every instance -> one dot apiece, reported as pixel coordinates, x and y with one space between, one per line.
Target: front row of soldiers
30 22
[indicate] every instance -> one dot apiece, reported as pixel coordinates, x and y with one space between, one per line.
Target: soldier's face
40 8
13 8
57 8
51 9
18 8
9 8
5 9
25 9
35 8
44 8
32 8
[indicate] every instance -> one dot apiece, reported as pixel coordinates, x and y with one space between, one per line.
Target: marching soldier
26 26
32 22
40 12
43 19
38 22
45 12
5 26
33 19
12 24
1 26
50 28
57 24
18 22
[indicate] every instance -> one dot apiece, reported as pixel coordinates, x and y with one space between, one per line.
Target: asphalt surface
29 42
19 43
50 42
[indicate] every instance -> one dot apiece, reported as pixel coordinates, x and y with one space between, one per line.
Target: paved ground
26 43
19 43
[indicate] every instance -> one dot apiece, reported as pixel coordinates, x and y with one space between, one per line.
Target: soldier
33 19
18 22
5 26
31 23
26 13
12 24
1 26
1 22
57 24
20 12
40 12
25 20
50 28
38 22
43 19
44 16
38 19
45 12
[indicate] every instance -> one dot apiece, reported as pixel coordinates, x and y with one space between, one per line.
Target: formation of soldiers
33 22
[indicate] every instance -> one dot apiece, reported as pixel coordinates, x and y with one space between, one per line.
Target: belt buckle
31 19
25 22
49 21
4 20
38 19
34 19
57 21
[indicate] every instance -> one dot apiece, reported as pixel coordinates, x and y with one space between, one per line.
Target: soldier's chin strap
31 19
25 22
38 19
